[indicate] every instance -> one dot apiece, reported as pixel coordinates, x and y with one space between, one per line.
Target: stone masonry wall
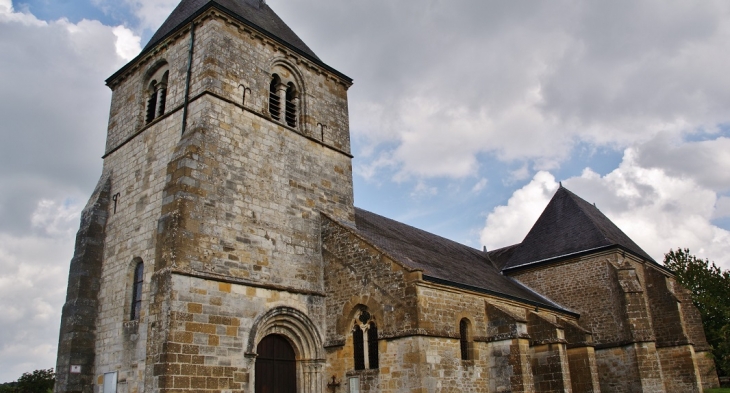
213 333
212 189
138 174
77 339
418 325
635 311
588 286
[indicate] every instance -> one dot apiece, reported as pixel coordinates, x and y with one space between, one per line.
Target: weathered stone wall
641 325
696 333
618 370
214 327
679 369
360 275
77 339
549 355
236 197
138 177
590 287
583 369
129 89
418 324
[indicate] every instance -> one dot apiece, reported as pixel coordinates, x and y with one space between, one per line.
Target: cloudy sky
465 115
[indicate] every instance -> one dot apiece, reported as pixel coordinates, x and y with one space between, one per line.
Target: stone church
221 252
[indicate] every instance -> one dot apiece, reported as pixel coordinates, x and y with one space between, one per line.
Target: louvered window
274 99
291 106
157 95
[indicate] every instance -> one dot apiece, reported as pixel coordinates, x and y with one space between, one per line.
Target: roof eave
473 288
150 47
559 258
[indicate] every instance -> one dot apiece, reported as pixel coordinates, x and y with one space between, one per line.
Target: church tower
198 263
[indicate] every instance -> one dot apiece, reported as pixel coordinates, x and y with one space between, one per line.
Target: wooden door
276 366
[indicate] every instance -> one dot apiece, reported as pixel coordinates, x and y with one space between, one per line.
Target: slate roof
570 225
252 12
442 260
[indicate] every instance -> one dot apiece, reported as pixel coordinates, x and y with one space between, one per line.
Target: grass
721 390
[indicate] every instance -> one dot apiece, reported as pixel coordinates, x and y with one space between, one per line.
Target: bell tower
199 250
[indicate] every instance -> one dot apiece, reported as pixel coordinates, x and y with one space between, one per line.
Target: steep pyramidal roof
252 12
442 260
570 225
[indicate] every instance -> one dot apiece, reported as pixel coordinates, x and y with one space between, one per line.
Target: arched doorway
276 366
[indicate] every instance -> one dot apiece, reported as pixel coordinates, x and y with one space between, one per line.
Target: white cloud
151 13
128 44
707 162
54 107
438 85
657 210
480 186
32 289
507 225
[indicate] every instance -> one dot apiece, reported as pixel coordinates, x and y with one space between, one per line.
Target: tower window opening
274 99
291 105
152 103
137 292
157 96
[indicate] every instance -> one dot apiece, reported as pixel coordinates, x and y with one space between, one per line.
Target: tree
710 287
39 381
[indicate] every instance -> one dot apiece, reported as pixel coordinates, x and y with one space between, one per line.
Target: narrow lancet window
137 292
359 347
373 346
291 105
274 99
465 339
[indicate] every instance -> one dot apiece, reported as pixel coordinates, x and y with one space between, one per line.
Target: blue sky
465 115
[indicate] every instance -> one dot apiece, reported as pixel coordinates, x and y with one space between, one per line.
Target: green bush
39 381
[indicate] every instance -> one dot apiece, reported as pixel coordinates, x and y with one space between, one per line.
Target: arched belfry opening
286 94
288 353
156 92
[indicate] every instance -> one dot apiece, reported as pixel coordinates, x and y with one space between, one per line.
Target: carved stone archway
304 338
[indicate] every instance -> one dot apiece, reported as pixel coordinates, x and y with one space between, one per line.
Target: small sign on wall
354 385
110 383
75 369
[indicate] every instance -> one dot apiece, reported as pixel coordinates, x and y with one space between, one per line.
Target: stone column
641 334
676 355
281 93
312 377
549 356
581 358
161 91
509 346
